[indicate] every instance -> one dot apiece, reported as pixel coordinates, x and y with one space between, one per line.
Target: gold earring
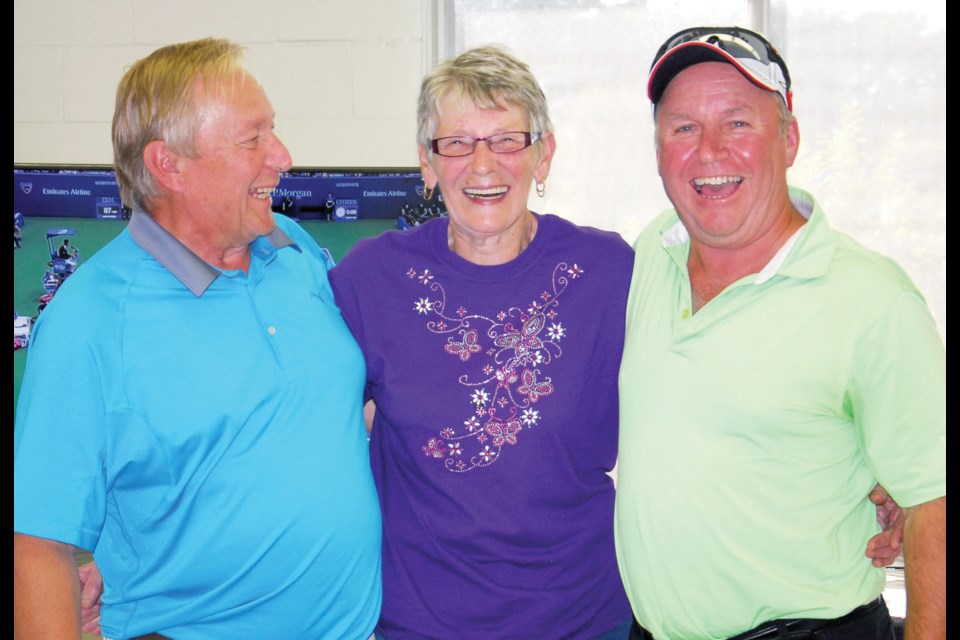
542 188
427 191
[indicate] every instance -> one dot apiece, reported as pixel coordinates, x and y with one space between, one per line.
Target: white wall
343 75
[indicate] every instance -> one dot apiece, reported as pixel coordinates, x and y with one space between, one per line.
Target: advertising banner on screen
66 192
347 195
336 195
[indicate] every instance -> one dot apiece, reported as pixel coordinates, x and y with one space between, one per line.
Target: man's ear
165 165
793 141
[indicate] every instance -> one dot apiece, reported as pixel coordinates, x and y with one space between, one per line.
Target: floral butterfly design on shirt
503 359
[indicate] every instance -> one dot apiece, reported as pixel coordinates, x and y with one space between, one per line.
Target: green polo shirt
752 432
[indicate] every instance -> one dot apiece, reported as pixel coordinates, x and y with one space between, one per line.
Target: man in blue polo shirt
213 455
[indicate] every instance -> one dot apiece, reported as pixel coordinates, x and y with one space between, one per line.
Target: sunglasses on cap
748 51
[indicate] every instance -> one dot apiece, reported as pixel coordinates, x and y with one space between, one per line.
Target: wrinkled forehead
238 96
457 104
708 82
221 85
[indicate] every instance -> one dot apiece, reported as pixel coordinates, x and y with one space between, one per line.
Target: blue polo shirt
201 432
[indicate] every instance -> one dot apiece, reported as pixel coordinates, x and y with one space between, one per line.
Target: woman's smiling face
485 193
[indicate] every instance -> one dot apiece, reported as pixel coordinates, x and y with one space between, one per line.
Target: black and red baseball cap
748 51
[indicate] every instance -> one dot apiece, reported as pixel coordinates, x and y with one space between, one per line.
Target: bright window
869 93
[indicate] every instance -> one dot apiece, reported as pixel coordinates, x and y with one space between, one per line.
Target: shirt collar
805 263
195 274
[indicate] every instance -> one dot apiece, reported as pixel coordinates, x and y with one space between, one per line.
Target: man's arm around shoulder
925 557
46 590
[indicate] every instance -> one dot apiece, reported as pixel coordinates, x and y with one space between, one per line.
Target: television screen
348 194
308 193
65 191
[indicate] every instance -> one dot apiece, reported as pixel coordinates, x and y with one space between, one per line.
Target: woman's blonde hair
486 76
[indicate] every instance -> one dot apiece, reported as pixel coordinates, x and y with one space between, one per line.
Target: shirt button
272 331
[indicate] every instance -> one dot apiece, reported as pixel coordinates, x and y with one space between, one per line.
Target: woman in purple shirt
492 341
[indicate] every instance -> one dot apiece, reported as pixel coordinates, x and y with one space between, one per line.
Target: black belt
788 628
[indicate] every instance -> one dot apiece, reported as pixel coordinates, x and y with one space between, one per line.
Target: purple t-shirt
496 425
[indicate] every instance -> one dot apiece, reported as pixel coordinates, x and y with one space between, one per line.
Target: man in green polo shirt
774 372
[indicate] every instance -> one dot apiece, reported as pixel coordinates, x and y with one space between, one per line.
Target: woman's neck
493 249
